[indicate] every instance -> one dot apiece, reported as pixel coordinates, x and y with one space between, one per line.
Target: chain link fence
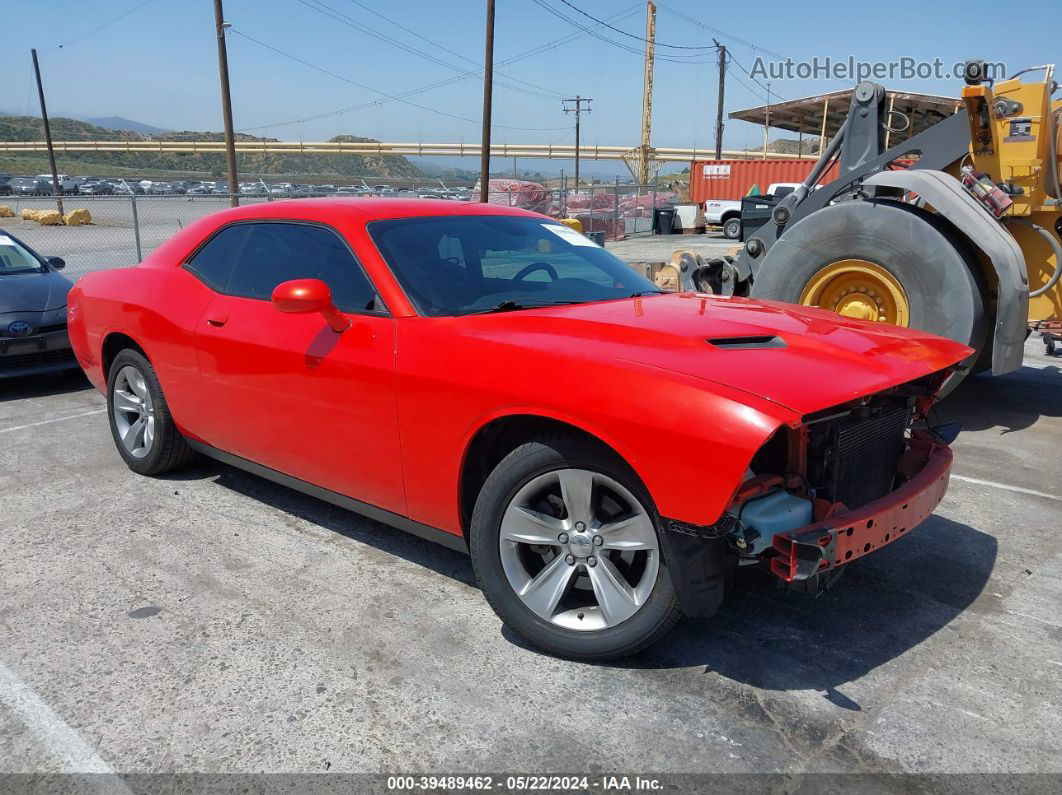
617 211
125 229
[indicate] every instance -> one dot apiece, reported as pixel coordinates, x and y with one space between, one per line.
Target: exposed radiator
853 459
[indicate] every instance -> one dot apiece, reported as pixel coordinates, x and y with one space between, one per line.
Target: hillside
792 146
29 128
122 123
789 146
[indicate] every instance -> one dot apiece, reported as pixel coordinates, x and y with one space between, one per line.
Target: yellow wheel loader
955 231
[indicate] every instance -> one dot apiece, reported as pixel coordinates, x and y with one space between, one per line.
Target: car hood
33 292
802 358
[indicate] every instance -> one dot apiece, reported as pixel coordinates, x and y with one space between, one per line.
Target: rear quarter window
214 261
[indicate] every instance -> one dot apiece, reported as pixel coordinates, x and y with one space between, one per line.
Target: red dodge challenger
490 379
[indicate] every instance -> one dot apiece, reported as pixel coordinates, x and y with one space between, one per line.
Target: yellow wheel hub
858 289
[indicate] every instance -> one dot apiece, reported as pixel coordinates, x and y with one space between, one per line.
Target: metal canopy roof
805 115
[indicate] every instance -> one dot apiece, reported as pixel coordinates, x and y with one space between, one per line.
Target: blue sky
157 64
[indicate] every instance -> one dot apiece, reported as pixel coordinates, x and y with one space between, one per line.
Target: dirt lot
212 621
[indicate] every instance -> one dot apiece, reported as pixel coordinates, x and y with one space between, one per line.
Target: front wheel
564 544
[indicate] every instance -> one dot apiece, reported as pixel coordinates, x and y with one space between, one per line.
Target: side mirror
56 262
301 296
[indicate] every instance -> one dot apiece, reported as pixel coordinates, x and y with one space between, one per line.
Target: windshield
16 258
460 265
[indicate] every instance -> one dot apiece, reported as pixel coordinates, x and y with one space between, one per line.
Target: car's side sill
349 503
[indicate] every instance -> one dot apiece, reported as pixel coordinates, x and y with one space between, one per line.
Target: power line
342 18
448 81
618 17
444 48
98 28
684 59
748 88
546 7
749 74
631 35
723 33
376 90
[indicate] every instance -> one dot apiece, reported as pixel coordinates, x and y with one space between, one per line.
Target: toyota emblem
20 328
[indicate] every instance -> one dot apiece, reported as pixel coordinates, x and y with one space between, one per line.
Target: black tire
654 618
936 268
169 451
1049 346
732 228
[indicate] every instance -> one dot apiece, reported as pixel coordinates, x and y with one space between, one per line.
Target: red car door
285 390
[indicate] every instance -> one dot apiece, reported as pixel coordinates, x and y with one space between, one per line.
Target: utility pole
578 110
488 88
57 189
226 102
719 106
647 92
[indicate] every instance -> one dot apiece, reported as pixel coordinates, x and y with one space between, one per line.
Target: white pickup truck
727 212
67 184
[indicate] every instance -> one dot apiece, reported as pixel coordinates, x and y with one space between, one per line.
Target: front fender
962 211
690 449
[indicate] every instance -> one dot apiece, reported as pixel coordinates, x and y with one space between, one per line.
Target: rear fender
984 232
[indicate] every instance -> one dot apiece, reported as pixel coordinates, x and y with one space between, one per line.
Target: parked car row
41 185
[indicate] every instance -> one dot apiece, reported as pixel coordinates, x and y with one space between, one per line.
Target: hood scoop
746 343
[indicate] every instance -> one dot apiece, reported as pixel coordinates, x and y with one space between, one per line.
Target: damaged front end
842 483
821 493
843 535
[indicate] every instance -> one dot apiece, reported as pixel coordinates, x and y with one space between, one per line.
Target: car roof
365 209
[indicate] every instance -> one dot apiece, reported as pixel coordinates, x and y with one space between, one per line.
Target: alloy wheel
133 411
579 549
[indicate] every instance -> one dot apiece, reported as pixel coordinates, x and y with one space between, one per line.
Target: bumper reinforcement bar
806 551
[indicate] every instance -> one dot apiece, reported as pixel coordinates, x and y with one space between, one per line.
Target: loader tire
942 284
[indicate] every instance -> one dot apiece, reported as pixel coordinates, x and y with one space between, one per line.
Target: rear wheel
732 228
564 543
881 261
143 430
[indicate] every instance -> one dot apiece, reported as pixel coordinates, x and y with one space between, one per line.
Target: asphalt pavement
211 621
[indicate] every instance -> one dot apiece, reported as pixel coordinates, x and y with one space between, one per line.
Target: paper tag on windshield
6 241
570 235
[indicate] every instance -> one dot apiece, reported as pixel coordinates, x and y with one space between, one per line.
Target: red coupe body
686 388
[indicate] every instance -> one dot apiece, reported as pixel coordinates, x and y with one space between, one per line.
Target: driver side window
250 259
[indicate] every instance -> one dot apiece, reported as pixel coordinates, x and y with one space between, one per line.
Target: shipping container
732 179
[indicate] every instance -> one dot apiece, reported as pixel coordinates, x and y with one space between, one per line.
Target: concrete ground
659 248
212 621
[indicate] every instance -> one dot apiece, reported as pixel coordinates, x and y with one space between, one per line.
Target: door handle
217 320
